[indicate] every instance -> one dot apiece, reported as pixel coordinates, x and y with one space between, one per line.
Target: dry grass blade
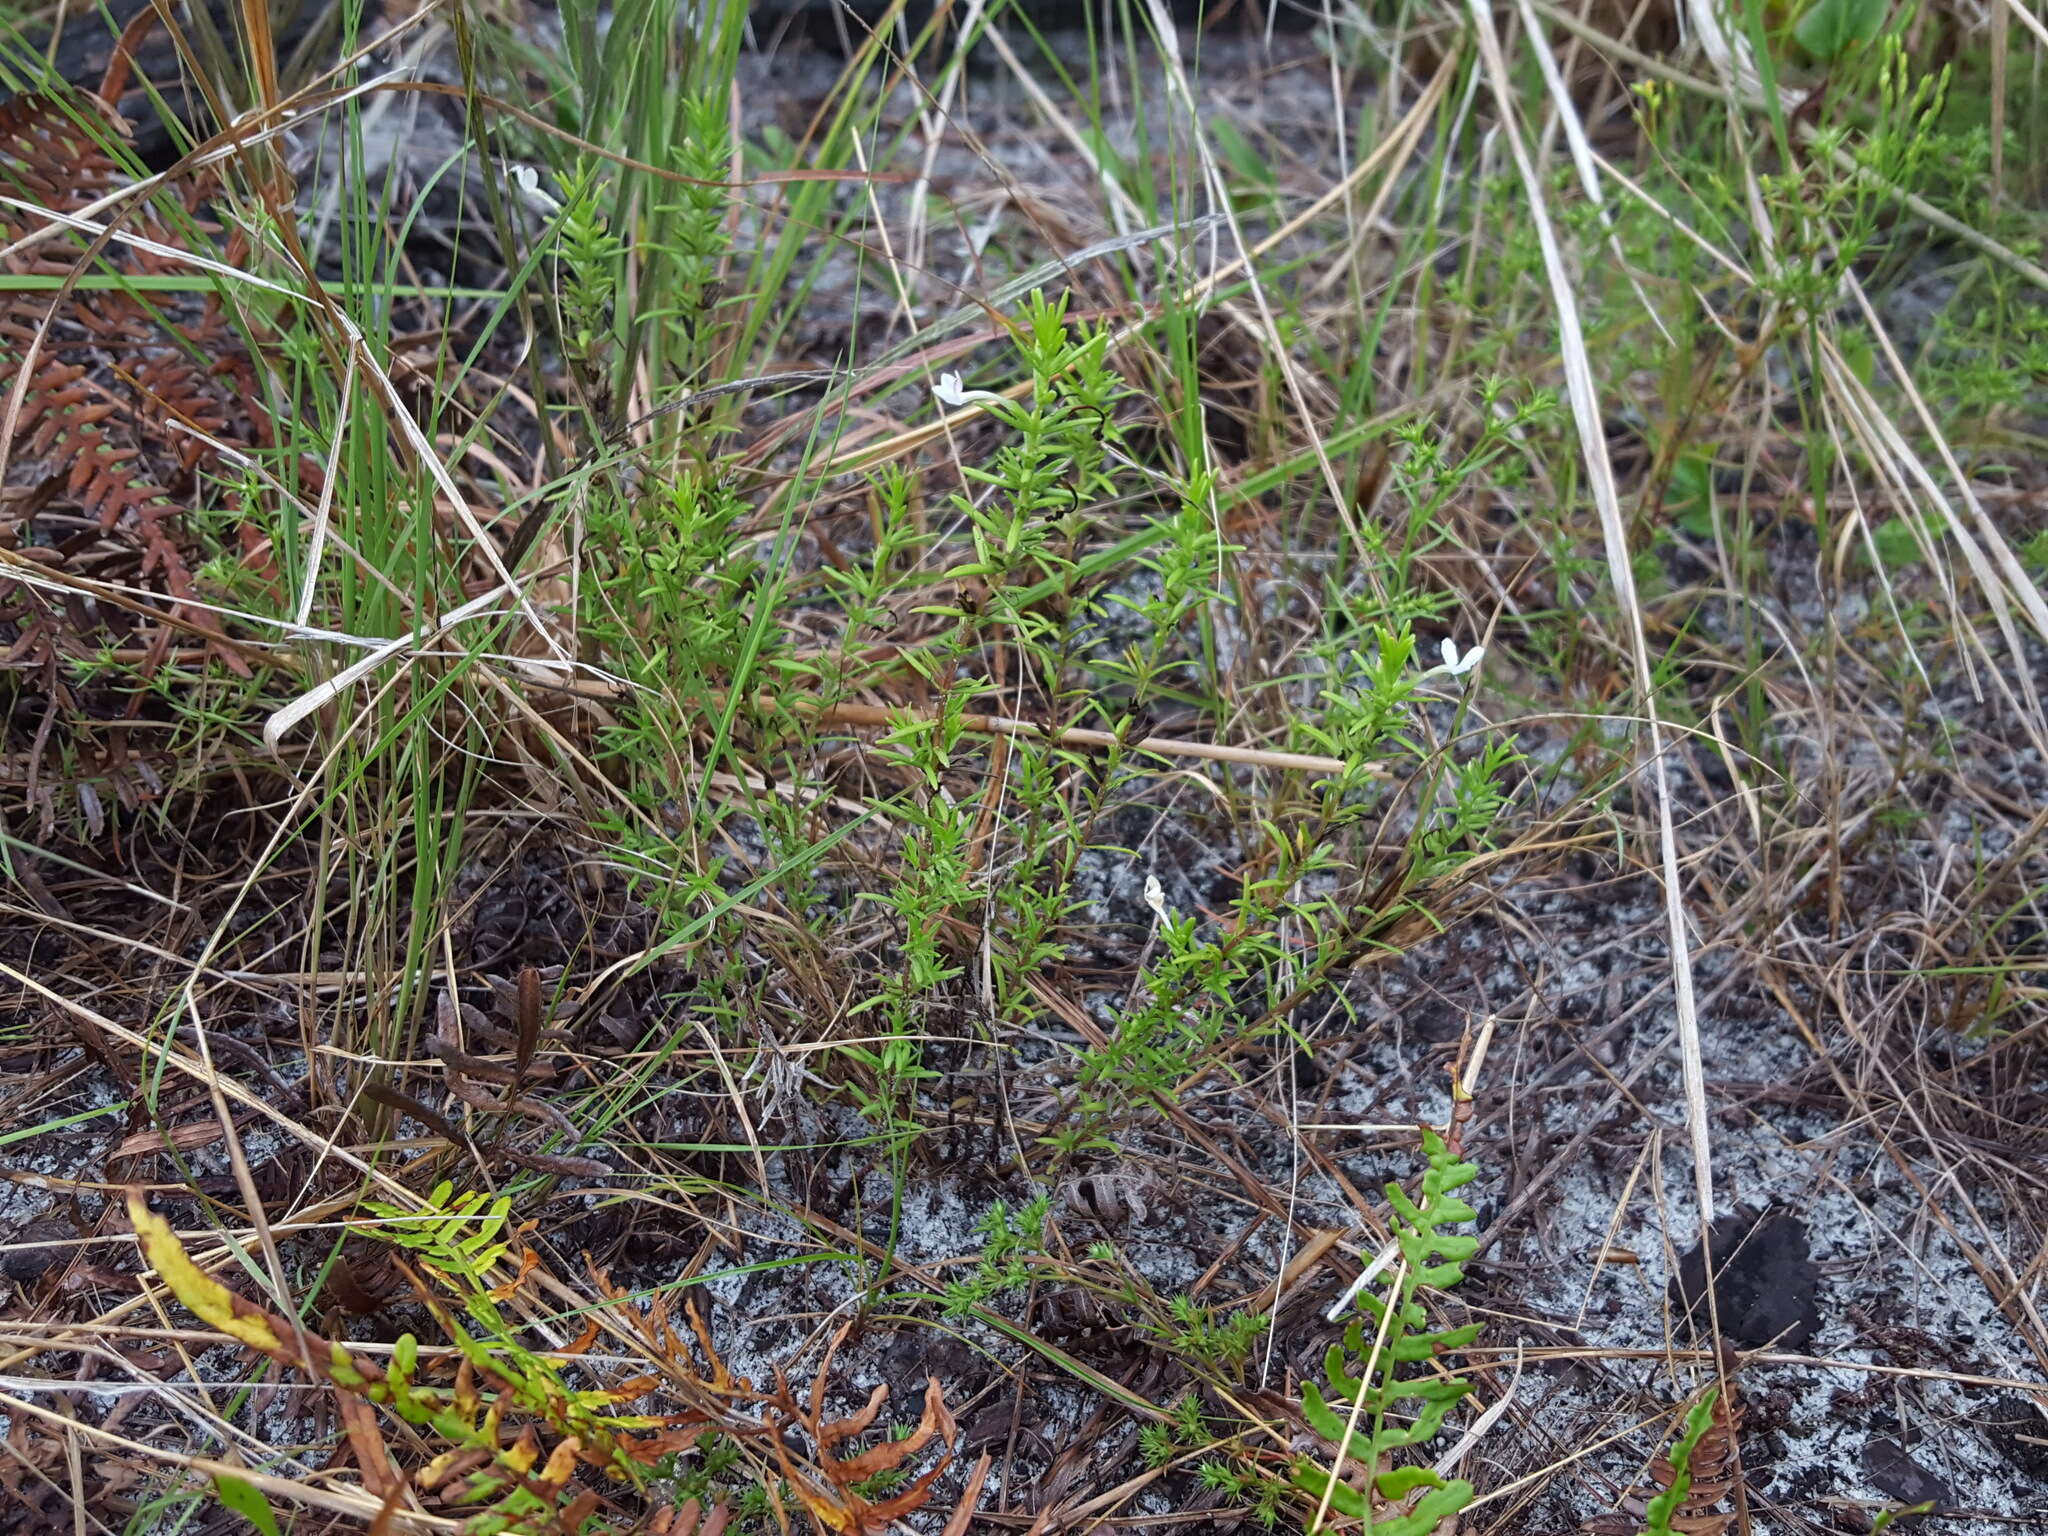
1586 416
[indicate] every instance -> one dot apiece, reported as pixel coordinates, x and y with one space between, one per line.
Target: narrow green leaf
246 1500
1318 1484
1830 28
8 1137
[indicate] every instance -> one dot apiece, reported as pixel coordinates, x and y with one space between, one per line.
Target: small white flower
1456 663
527 180
949 394
1155 898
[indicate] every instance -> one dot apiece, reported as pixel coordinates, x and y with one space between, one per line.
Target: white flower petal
949 393
526 180
1155 897
1456 663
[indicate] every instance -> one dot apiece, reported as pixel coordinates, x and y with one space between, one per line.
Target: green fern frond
1666 1504
1350 1407
1444 1499
459 1237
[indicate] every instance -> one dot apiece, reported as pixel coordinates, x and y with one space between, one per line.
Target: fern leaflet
458 1237
1356 1413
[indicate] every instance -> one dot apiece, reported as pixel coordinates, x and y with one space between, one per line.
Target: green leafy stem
1370 1394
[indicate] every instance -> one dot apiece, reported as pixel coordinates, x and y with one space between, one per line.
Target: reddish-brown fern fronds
122 406
830 1490
64 420
1712 1478
1716 1467
183 406
48 157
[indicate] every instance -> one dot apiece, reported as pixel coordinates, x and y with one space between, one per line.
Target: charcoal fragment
1766 1287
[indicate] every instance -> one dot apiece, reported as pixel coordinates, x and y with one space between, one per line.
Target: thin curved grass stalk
1398 1335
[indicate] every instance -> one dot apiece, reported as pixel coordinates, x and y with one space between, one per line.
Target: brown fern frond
1716 1466
63 420
125 399
49 157
689 1519
183 405
1715 1475
836 1503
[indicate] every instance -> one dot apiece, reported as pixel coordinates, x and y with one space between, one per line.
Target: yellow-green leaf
211 1302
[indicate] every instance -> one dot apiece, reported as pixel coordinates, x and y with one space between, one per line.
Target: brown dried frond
1715 1470
86 781
63 420
1716 1466
689 1519
118 410
183 404
699 1364
49 157
836 1504
38 1490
